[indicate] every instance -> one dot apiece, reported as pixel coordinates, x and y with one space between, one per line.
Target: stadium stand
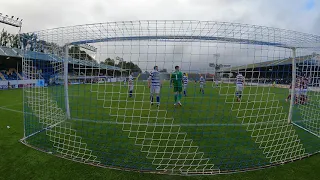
15 54
277 70
11 52
2 77
10 74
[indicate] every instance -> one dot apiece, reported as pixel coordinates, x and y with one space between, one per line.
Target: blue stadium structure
11 65
279 71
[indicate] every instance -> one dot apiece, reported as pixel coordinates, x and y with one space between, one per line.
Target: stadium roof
18 53
181 38
185 31
280 62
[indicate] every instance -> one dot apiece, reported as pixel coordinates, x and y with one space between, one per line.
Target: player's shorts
201 85
155 89
177 89
297 91
304 91
185 86
239 87
131 87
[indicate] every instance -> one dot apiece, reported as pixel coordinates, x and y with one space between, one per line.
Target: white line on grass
295 123
163 124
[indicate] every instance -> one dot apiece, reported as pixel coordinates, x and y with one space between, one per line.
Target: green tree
109 61
31 39
1 37
4 38
14 41
76 53
130 66
24 37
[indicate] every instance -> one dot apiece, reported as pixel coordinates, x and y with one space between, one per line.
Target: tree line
9 40
121 63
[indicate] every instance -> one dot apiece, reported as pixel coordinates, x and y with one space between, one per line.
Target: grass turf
21 161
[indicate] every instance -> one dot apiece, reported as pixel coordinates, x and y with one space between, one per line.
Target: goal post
293 84
107 97
65 79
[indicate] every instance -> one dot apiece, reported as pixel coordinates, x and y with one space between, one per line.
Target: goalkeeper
177 81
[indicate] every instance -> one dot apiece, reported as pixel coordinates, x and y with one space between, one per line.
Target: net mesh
110 95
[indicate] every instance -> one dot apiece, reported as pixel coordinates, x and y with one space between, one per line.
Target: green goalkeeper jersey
176 78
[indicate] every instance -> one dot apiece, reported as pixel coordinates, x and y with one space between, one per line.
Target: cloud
316 26
288 14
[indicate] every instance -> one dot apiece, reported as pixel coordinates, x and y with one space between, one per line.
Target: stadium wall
14 84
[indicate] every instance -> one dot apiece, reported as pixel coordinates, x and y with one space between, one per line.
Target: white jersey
130 80
185 80
239 79
154 77
201 80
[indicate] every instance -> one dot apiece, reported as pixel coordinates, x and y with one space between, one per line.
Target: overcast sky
299 15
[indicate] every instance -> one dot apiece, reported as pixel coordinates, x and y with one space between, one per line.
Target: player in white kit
185 83
154 84
202 82
130 84
239 86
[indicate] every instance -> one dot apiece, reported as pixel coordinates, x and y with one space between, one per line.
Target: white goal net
176 97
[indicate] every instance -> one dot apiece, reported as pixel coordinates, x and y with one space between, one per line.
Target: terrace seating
11 74
2 77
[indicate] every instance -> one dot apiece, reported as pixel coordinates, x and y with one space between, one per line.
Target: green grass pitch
106 118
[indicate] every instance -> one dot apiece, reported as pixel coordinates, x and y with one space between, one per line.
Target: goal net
175 97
